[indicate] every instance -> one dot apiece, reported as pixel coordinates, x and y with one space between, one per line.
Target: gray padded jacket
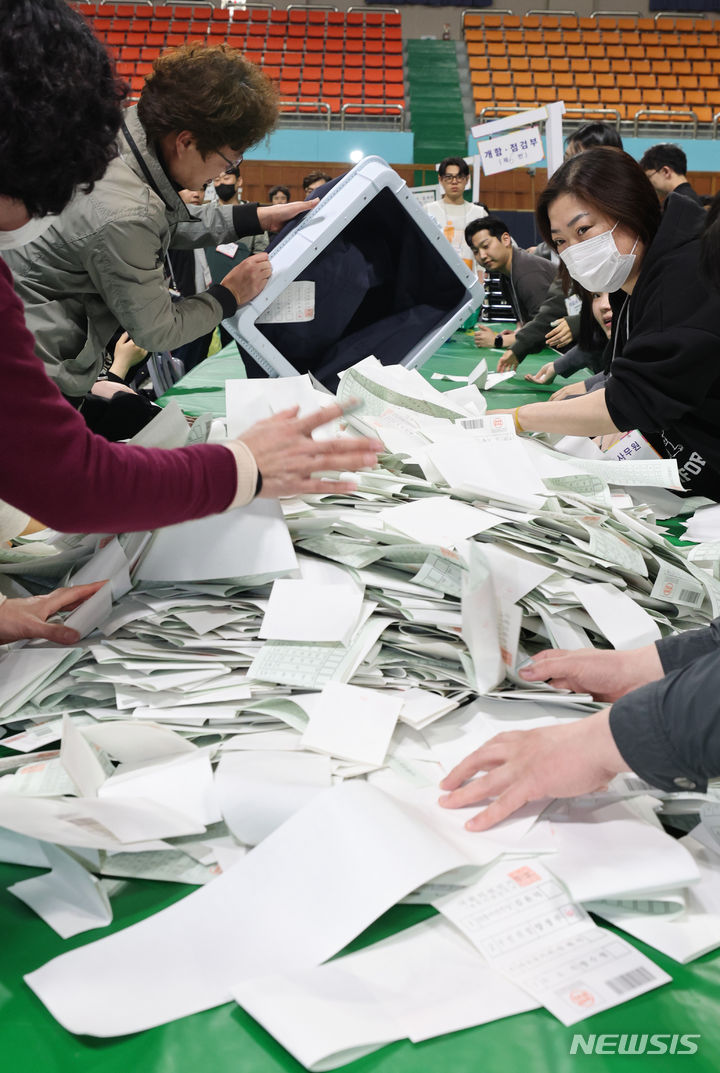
100 266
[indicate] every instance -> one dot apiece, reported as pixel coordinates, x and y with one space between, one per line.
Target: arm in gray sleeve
123 265
683 648
669 731
573 323
214 223
571 361
531 337
595 382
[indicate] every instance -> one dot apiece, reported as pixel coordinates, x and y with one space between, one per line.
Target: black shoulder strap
141 161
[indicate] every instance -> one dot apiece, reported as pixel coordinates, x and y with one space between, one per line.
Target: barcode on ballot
630 980
690 596
471 422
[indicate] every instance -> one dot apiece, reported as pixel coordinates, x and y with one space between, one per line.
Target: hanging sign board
514 150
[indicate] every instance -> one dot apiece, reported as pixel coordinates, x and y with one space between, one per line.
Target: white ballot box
365 272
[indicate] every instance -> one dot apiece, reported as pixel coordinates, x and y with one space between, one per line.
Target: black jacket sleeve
669 731
531 338
680 649
245 219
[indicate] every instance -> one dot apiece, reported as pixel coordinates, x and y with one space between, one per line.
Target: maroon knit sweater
62 474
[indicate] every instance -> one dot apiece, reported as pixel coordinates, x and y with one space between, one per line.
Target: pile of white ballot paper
264 702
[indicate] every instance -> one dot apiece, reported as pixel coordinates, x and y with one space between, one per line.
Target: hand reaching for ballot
507 363
287 456
545 375
26 618
607 674
528 765
568 392
246 280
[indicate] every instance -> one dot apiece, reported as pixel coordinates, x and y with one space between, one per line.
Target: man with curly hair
100 265
60 110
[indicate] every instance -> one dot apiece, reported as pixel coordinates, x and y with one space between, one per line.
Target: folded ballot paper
280 689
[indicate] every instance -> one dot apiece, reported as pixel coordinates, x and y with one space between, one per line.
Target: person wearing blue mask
601 214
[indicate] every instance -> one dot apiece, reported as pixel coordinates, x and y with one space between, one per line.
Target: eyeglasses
452 178
230 163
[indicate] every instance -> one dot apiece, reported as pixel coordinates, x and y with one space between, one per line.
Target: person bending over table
601 212
525 279
664 725
99 265
58 92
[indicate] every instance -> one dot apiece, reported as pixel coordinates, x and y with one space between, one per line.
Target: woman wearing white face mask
601 214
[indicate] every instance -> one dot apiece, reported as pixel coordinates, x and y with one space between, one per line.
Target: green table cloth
227 1040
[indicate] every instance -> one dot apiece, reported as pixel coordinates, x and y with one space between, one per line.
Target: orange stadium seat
545 94
606 81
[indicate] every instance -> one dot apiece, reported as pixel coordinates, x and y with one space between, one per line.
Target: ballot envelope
366 271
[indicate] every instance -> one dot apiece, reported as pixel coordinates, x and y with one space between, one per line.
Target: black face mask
225 190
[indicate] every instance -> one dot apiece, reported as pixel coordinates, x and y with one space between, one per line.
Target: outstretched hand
529 765
274 217
287 456
606 673
26 618
508 362
545 375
